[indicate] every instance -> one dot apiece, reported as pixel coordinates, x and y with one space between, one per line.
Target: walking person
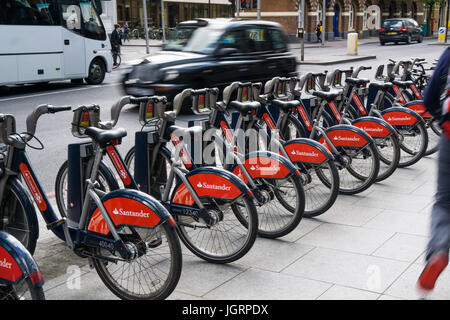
116 42
439 243
126 30
319 31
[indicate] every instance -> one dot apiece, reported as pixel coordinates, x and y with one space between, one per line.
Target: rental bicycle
128 236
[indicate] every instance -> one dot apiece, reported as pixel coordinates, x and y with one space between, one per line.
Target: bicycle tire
25 218
387 165
434 134
366 180
273 221
23 290
173 275
409 157
107 179
329 184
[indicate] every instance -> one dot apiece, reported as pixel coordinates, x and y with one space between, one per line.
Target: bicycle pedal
155 243
53 225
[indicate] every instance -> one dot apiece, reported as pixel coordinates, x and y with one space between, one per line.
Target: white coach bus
48 40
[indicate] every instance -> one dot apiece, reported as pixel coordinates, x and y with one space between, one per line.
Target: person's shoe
432 270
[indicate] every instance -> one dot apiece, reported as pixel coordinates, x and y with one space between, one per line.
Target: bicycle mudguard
307 150
209 182
419 107
127 207
265 164
346 136
374 126
16 263
400 116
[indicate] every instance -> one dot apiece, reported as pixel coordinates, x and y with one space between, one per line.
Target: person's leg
439 243
440 213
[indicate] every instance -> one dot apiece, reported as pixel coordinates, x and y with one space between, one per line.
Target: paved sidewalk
367 246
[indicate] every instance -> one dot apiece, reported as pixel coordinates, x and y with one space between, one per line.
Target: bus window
81 17
93 27
28 12
71 15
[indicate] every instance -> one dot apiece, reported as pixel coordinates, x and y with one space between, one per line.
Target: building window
319 12
365 17
351 17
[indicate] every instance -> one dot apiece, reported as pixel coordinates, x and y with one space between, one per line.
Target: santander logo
266 169
122 212
367 129
5 264
205 185
339 138
302 153
399 118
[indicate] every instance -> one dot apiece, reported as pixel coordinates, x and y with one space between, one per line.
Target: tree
430 4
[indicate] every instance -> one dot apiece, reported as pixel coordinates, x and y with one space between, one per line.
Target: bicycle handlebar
33 117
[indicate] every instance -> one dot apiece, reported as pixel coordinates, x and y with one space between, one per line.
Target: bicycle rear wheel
154 272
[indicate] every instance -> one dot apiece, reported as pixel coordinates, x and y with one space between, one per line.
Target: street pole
209 9
324 19
144 6
302 26
446 22
258 4
163 22
237 8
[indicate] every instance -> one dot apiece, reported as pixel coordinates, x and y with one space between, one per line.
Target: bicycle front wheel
22 290
18 216
358 168
413 143
282 208
229 239
434 134
154 272
389 151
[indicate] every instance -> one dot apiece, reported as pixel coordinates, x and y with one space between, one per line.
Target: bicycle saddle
327 95
102 137
384 86
403 84
185 131
285 105
357 81
244 107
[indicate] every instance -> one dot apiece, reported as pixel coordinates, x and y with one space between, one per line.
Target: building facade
343 16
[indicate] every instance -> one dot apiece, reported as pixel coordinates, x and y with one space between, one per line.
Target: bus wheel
97 72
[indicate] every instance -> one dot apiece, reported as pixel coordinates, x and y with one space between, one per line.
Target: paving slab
400 221
337 292
403 247
346 238
348 269
261 285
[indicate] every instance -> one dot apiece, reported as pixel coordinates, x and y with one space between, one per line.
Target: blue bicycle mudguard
16 263
210 182
307 150
346 136
375 127
265 164
127 207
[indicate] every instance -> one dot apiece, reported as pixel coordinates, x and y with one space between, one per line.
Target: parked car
400 30
213 53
